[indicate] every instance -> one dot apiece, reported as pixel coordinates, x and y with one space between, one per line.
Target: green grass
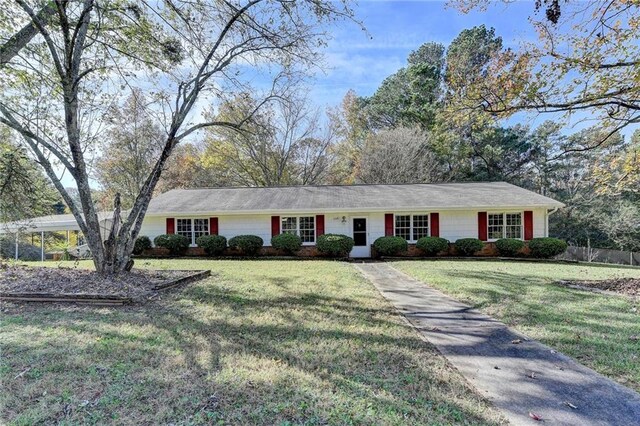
260 342
593 328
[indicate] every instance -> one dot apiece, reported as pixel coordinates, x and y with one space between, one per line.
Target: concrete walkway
518 378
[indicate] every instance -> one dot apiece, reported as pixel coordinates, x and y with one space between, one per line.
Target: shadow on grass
215 353
593 328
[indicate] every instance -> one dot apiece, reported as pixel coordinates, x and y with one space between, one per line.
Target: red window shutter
388 225
213 226
319 225
171 225
482 226
435 224
528 225
275 225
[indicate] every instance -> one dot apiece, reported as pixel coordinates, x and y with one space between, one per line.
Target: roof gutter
546 222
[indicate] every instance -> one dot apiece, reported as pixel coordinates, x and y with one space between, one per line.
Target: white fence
590 254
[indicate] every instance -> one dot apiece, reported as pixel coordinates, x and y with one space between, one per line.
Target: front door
360 237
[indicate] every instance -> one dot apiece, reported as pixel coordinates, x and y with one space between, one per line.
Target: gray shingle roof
473 195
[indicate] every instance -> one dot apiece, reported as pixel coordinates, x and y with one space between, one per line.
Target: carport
53 223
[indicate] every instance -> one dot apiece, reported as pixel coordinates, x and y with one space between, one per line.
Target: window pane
289 225
308 229
183 227
496 225
420 226
403 226
513 228
200 228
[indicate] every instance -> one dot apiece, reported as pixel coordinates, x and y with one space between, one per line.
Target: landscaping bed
625 286
24 283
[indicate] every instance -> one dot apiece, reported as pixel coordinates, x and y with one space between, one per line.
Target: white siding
260 225
454 224
153 226
457 224
540 223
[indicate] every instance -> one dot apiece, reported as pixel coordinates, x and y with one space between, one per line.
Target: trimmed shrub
509 246
389 246
432 245
546 247
288 242
336 245
142 243
248 244
176 244
468 246
213 245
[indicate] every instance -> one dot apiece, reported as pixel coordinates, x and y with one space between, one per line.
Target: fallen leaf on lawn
535 417
570 405
516 341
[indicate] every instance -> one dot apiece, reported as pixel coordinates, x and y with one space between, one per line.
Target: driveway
530 382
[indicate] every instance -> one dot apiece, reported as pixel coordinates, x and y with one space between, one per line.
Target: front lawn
260 342
600 331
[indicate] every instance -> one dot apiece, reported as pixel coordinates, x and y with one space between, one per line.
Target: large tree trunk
114 254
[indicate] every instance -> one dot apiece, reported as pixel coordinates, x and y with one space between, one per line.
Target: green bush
336 245
509 246
468 246
176 244
390 246
248 244
288 242
547 247
142 243
213 245
432 245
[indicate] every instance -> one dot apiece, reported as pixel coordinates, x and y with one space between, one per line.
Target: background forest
415 128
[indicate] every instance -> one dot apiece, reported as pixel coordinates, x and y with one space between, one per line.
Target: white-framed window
184 228
192 228
302 226
513 225
504 225
411 227
420 226
200 228
403 226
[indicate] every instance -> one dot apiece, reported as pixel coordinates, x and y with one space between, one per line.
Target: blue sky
360 61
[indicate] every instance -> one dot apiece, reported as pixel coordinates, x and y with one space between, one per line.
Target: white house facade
487 211
484 210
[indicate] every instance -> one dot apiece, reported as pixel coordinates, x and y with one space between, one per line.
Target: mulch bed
626 286
81 285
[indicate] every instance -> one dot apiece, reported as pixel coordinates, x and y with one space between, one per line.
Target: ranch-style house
484 210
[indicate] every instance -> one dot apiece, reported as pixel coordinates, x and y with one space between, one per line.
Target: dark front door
360 231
